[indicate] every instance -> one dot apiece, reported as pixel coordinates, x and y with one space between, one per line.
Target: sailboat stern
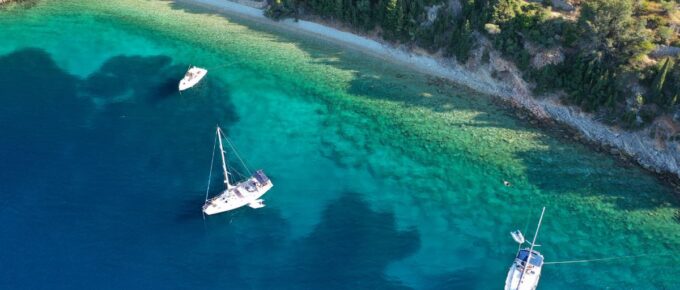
259 203
521 276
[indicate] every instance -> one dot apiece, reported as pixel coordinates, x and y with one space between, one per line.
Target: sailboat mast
224 162
540 220
531 249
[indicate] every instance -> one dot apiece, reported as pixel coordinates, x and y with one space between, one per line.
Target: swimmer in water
507 183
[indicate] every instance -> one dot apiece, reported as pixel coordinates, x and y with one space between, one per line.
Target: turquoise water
383 179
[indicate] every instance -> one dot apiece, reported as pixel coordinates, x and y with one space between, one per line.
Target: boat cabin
536 257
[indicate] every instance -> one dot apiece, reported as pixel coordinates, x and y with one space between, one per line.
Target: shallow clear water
383 179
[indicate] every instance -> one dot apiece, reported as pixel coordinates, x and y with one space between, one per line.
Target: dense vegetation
605 43
23 3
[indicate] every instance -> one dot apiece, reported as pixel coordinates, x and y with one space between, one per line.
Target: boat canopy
261 177
536 257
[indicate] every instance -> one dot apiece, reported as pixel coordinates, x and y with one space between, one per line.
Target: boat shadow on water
150 78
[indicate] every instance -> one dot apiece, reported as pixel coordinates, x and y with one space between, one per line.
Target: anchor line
225 65
602 259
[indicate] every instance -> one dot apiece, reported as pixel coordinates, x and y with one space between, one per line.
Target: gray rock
664 51
563 5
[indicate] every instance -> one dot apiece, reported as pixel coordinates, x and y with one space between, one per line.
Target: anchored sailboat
526 269
240 193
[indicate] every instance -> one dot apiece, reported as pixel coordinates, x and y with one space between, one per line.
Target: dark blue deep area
102 179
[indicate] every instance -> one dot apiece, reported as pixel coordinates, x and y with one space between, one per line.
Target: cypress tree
337 9
394 17
660 81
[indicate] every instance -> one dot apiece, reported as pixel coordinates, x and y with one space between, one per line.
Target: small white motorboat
237 193
192 77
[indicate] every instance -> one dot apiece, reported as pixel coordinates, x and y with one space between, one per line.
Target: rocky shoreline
29 2
571 134
501 79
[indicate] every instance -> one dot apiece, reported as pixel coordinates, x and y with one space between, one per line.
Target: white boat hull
528 281
244 193
192 77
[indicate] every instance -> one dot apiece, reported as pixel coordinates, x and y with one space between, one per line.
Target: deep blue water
85 193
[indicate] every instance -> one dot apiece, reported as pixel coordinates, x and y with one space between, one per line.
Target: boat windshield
536 258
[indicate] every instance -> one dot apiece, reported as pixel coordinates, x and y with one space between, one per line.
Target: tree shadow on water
349 249
39 115
566 168
123 135
152 77
31 75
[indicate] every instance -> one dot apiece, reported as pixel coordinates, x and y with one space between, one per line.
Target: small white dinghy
192 77
239 193
517 235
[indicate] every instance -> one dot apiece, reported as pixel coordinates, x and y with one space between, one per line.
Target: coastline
658 156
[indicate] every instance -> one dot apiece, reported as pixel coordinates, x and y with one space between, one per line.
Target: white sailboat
238 193
526 269
192 77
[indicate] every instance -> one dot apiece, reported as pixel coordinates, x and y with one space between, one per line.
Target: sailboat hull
242 194
529 280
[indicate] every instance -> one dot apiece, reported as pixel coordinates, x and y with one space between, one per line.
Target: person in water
507 183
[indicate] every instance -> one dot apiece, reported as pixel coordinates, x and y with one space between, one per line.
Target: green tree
394 18
673 86
461 42
505 10
337 9
610 31
660 81
364 14
665 34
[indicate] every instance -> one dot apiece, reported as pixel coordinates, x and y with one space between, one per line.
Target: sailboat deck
241 194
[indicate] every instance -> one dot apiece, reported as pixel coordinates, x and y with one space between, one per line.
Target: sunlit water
383 180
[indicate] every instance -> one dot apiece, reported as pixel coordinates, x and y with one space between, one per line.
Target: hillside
618 59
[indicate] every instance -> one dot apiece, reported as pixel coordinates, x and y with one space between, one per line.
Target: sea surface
384 178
